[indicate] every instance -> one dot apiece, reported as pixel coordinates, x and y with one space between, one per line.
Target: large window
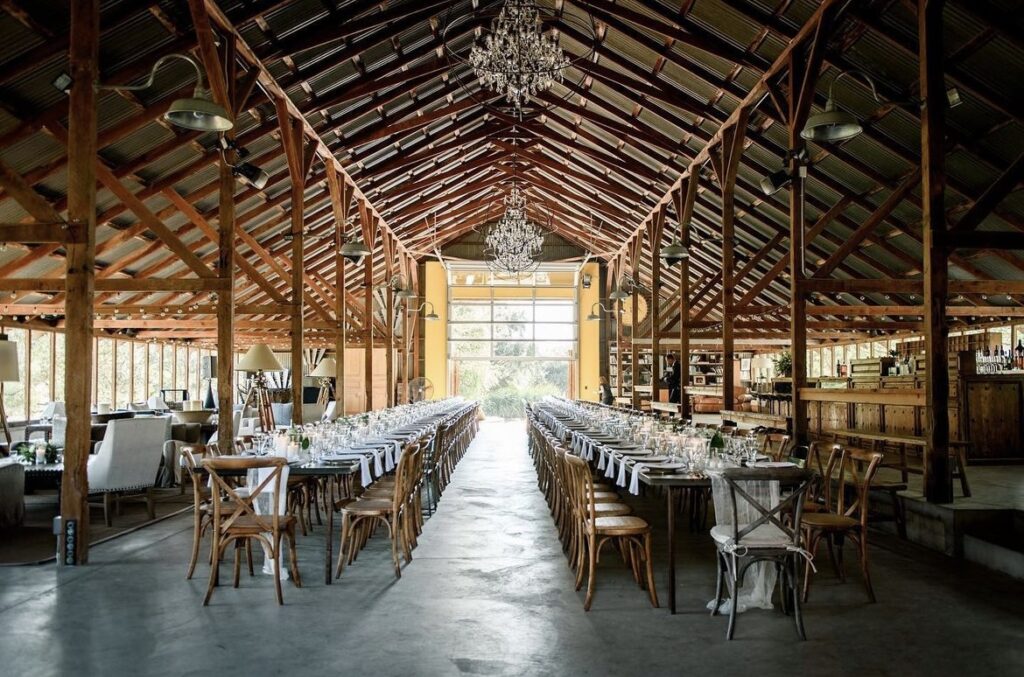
123 371
510 341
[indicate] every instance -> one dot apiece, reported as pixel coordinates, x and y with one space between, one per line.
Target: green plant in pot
783 363
27 451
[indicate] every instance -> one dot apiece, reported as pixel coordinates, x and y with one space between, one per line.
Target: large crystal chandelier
514 242
516 59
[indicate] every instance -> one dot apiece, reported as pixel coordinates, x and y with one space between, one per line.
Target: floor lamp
258 360
9 372
325 371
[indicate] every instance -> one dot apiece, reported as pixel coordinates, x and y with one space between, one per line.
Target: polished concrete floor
489 593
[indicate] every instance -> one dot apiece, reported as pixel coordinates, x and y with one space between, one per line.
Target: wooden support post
389 322
726 165
83 57
687 197
804 66
657 226
223 91
292 138
634 328
938 478
341 197
369 235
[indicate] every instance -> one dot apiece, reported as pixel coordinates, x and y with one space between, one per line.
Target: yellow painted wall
435 334
590 336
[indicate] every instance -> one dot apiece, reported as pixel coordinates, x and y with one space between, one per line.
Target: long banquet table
582 441
395 439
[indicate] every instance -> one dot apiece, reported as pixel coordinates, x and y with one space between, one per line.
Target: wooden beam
911 397
296 151
42 232
938 476
83 56
992 196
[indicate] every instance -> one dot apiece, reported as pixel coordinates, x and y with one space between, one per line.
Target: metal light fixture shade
251 175
774 182
405 294
834 125
259 358
618 295
674 253
355 251
430 316
9 371
327 368
831 126
199 113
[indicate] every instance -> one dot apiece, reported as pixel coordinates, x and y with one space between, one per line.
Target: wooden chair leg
718 584
237 565
591 570
248 555
215 553
197 529
344 545
649 564
150 503
108 499
862 543
293 558
277 568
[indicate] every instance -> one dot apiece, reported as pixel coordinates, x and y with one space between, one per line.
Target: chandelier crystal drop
516 59
514 242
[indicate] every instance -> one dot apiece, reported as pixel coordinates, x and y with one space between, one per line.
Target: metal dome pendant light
834 125
354 250
198 112
676 251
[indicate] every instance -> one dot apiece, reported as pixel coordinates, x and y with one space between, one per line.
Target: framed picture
745 364
699 380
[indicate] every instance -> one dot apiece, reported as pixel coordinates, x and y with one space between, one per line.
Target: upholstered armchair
127 461
282 414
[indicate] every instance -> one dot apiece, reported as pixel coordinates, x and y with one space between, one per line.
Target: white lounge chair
127 461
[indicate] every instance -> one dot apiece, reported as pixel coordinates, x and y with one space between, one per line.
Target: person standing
605 392
670 378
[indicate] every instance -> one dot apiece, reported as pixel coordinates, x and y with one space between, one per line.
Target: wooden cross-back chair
632 534
236 518
202 502
773 535
390 509
775 445
846 515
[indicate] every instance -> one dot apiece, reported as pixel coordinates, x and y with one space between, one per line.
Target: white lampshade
327 368
9 360
259 358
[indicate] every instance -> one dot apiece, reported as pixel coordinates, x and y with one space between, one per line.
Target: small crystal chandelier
514 242
517 59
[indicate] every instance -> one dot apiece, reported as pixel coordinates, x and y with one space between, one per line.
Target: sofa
712 404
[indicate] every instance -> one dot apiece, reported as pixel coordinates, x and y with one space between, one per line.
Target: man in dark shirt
606 392
670 380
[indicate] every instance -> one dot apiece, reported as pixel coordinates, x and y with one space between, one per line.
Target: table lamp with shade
256 361
9 373
325 370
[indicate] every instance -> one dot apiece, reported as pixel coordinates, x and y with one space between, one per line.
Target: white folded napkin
364 464
621 479
634 480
